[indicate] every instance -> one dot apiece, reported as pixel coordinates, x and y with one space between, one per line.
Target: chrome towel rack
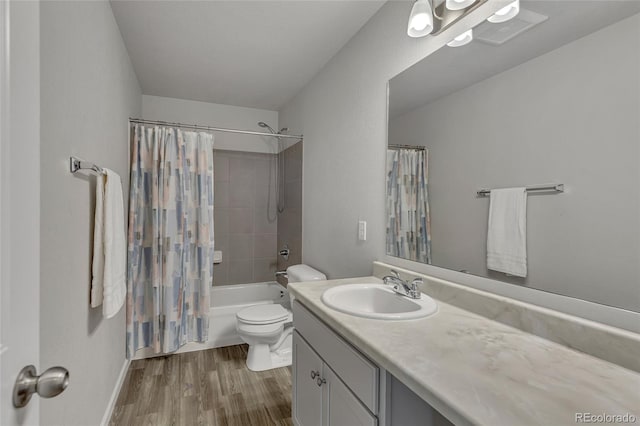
76 164
553 187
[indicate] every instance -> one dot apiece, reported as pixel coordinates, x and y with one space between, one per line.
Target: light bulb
420 19
420 22
506 13
458 4
464 38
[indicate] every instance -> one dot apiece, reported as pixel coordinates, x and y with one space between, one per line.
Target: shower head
265 125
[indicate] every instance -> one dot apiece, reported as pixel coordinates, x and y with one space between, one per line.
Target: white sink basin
377 301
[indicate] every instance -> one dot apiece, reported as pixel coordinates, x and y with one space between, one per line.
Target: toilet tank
299 273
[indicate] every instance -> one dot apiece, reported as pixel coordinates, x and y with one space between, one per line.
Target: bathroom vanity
454 367
335 384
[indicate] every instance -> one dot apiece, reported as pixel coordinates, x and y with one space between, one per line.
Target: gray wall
568 116
342 114
89 90
245 228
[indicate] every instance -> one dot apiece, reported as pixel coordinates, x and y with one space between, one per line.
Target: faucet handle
395 273
415 283
414 293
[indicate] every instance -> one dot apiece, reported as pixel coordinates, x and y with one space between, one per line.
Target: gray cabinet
320 398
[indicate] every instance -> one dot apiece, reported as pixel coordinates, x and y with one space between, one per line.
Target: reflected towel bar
398 146
555 187
76 164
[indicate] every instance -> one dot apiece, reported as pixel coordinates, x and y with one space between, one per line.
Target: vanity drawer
359 374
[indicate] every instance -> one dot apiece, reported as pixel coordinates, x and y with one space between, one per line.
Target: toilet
267 329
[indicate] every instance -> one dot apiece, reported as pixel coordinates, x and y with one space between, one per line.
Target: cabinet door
307 395
341 407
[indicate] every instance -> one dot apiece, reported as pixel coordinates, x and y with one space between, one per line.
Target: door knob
49 384
320 381
314 374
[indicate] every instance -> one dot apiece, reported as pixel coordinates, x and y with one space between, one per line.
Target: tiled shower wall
248 233
290 220
244 230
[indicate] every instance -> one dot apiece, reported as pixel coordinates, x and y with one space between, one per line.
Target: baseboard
114 395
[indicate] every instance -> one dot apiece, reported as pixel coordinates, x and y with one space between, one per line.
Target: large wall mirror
550 97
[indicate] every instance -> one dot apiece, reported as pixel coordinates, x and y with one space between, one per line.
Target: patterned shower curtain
409 224
170 240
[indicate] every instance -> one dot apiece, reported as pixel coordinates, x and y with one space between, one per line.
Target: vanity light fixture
459 4
506 13
435 16
464 38
420 19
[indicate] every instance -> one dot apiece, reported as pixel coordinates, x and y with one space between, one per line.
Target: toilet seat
258 330
263 314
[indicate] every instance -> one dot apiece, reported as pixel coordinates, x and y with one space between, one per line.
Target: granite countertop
477 371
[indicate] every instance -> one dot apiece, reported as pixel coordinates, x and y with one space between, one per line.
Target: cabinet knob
320 381
314 374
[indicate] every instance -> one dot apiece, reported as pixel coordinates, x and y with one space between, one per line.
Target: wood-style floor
212 387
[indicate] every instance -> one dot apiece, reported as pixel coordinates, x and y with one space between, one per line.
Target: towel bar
555 187
76 164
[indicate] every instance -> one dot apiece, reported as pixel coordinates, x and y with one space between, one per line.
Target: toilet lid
263 314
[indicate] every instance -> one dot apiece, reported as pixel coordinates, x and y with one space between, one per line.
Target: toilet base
261 357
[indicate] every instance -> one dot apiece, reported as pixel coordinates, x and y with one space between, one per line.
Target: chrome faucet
403 287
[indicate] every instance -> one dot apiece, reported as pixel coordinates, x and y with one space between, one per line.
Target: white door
19 201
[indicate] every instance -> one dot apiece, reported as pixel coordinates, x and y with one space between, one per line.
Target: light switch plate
362 230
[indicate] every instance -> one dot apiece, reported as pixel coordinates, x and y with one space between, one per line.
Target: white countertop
477 371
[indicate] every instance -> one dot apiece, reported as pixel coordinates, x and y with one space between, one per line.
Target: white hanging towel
97 268
507 231
108 286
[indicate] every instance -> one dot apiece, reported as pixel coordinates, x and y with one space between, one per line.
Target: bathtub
226 301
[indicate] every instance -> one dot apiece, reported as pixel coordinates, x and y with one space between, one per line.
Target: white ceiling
246 53
451 69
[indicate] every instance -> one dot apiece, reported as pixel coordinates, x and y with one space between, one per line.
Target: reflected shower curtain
409 225
170 240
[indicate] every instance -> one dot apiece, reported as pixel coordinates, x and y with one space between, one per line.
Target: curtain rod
397 146
211 128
